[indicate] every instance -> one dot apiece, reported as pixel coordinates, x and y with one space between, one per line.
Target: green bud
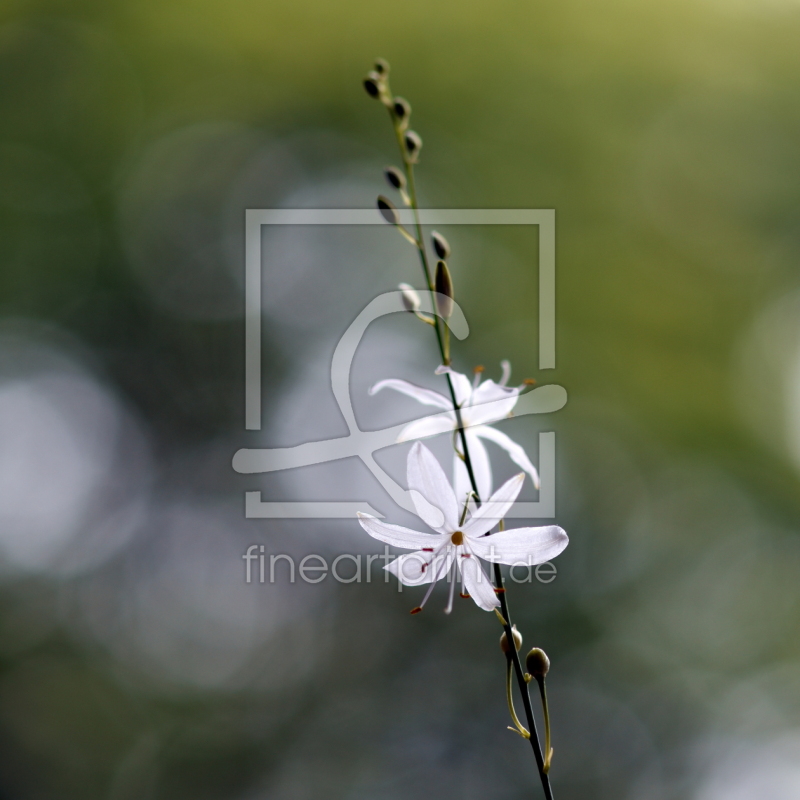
381 66
411 301
444 289
537 663
388 211
401 108
395 178
413 143
517 640
372 84
440 245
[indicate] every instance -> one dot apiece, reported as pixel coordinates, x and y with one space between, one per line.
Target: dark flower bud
504 646
444 289
413 142
372 84
388 211
411 301
537 663
381 66
440 245
401 108
395 178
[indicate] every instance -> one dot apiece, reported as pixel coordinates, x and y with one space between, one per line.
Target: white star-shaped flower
460 538
481 403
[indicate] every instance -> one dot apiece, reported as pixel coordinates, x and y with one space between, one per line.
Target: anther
415 610
465 596
529 382
477 370
501 590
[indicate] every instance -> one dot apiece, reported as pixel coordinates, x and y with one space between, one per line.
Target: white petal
518 455
427 426
481 468
526 546
491 402
426 396
477 583
461 385
495 508
426 477
418 568
396 535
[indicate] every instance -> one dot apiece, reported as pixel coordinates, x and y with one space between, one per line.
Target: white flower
481 403
455 547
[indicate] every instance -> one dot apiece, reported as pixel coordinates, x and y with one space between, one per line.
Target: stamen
465 596
506 365
528 382
433 582
415 610
453 580
427 549
501 590
477 379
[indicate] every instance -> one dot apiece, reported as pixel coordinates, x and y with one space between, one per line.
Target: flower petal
526 546
427 426
495 508
396 535
426 396
476 582
481 468
426 477
518 455
418 568
491 402
461 385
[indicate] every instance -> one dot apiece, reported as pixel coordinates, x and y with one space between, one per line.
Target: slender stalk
498 577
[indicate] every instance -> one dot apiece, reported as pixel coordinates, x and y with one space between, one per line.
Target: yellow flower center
457 538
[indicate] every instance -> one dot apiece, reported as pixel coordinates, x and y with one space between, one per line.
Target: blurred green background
134 660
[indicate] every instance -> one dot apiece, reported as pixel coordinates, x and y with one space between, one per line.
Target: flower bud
537 663
444 289
411 301
381 66
413 142
388 211
372 84
440 245
402 109
395 178
504 646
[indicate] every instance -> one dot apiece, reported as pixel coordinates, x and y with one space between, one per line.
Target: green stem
498 577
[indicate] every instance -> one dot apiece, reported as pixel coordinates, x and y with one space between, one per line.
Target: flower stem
408 165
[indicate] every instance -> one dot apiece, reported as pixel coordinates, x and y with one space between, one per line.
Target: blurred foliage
133 661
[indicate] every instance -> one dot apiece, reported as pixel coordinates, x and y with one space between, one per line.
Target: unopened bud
372 84
411 301
395 178
504 646
401 108
444 290
440 245
381 66
413 142
387 209
537 663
